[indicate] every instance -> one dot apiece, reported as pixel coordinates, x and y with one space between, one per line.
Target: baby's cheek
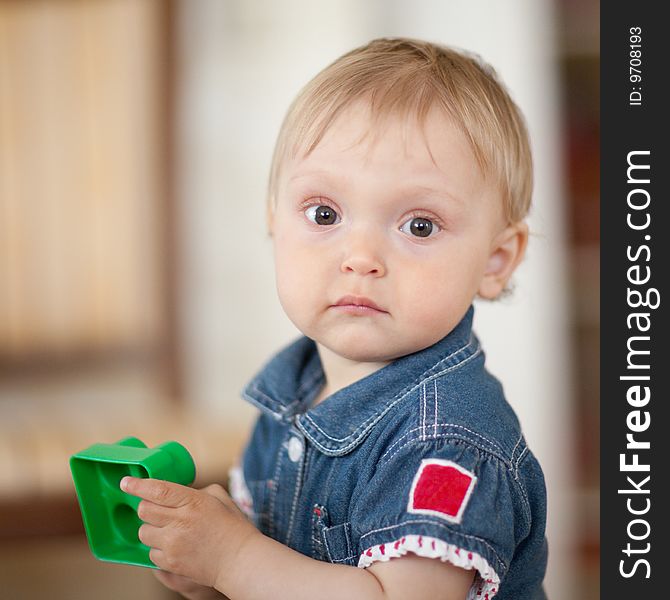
432 309
288 296
296 297
287 269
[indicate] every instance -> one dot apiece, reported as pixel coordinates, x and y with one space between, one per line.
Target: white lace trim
239 491
486 583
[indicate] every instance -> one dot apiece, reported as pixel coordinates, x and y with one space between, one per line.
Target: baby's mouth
358 305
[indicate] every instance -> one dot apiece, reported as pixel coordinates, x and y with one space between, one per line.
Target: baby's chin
365 356
370 351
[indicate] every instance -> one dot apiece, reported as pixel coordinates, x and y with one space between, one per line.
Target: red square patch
441 488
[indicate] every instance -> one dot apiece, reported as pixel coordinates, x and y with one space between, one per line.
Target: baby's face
379 251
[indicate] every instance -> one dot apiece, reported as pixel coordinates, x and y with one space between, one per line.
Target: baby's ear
507 252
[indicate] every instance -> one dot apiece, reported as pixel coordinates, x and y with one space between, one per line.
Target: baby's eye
419 227
322 215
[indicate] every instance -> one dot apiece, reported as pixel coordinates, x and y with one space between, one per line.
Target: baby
386 462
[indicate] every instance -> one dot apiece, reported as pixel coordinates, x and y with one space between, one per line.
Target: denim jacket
424 456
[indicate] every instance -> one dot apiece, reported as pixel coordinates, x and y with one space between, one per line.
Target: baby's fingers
160 492
150 536
153 514
158 557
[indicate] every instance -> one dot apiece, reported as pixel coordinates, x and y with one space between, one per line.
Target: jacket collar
286 386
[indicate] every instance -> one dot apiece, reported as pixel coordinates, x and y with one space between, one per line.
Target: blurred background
136 281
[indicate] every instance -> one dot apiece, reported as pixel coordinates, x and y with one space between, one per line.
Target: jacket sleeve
442 499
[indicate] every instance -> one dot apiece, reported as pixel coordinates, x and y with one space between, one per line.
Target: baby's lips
358 301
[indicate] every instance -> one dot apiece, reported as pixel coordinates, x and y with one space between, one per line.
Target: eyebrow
410 189
425 189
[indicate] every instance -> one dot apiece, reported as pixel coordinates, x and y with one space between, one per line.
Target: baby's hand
193 533
187 587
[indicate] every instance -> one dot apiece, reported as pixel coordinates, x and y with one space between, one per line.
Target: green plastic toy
109 514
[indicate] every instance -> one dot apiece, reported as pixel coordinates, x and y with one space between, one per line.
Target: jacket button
294 449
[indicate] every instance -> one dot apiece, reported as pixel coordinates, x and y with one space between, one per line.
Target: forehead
396 145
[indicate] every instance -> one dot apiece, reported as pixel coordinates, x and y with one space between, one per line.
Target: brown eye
322 215
418 226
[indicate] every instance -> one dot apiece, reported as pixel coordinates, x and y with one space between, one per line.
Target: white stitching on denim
526 503
491 443
455 436
272 402
256 403
516 446
341 560
402 394
518 460
325 541
420 408
378 416
347 539
298 483
441 525
514 470
423 388
347 536
472 341
273 496
435 423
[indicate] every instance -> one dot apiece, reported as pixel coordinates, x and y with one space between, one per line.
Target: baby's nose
363 254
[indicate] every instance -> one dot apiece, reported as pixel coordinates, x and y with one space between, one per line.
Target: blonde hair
408 76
